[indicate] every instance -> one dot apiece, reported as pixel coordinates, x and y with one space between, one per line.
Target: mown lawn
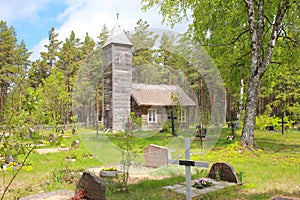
273 169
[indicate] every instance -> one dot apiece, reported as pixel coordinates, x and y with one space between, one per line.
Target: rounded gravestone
52 138
75 144
10 159
225 172
93 186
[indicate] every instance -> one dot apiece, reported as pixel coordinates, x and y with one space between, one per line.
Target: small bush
262 121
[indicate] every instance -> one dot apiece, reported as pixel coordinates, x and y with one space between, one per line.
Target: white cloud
13 10
83 16
38 48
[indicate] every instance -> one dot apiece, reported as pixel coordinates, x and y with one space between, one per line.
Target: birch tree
232 23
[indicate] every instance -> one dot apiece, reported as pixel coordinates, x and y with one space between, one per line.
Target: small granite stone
93 187
75 144
52 138
226 172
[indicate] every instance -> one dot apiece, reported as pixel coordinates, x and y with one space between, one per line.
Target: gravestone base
217 185
57 195
284 198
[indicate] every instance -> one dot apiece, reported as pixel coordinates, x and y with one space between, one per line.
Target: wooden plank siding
117 80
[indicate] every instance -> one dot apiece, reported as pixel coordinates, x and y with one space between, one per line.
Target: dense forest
41 92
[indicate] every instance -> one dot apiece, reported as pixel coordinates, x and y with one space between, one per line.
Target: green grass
273 169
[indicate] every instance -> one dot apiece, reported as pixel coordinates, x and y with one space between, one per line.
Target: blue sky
32 19
32 31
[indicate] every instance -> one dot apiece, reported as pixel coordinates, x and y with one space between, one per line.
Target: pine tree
50 57
143 41
70 60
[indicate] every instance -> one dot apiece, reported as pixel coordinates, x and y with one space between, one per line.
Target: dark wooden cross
201 133
282 125
172 118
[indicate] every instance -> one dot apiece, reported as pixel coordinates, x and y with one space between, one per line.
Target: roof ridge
117 36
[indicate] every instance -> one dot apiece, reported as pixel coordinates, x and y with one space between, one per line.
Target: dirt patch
136 174
51 150
136 178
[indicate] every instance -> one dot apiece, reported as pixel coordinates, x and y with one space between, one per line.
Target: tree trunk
250 115
238 122
259 64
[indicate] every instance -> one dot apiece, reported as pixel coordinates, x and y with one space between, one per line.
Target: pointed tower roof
117 36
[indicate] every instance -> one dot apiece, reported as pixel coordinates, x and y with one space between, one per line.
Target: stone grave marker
63 131
52 138
224 171
93 187
31 130
73 131
10 159
156 156
270 128
75 144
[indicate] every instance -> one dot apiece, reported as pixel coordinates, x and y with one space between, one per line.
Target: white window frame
122 58
152 115
183 115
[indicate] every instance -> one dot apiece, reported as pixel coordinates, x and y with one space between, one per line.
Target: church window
122 58
152 115
183 115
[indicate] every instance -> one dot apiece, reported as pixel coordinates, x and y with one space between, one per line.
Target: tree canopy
241 36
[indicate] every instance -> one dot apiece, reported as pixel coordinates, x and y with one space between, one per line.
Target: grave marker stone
270 128
93 187
156 156
31 130
52 138
224 171
73 131
75 144
10 159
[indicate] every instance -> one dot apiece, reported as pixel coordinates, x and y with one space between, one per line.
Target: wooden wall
117 80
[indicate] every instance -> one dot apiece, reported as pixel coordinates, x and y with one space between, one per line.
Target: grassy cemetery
209 113
272 169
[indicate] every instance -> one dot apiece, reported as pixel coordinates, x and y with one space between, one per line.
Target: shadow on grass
273 145
237 193
152 190
148 189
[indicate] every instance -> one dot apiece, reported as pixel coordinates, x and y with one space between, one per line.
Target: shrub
262 121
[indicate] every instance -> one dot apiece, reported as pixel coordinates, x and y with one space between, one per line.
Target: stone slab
217 185
284 198
56 195
156 156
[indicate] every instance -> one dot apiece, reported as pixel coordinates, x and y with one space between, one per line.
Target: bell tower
117 79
